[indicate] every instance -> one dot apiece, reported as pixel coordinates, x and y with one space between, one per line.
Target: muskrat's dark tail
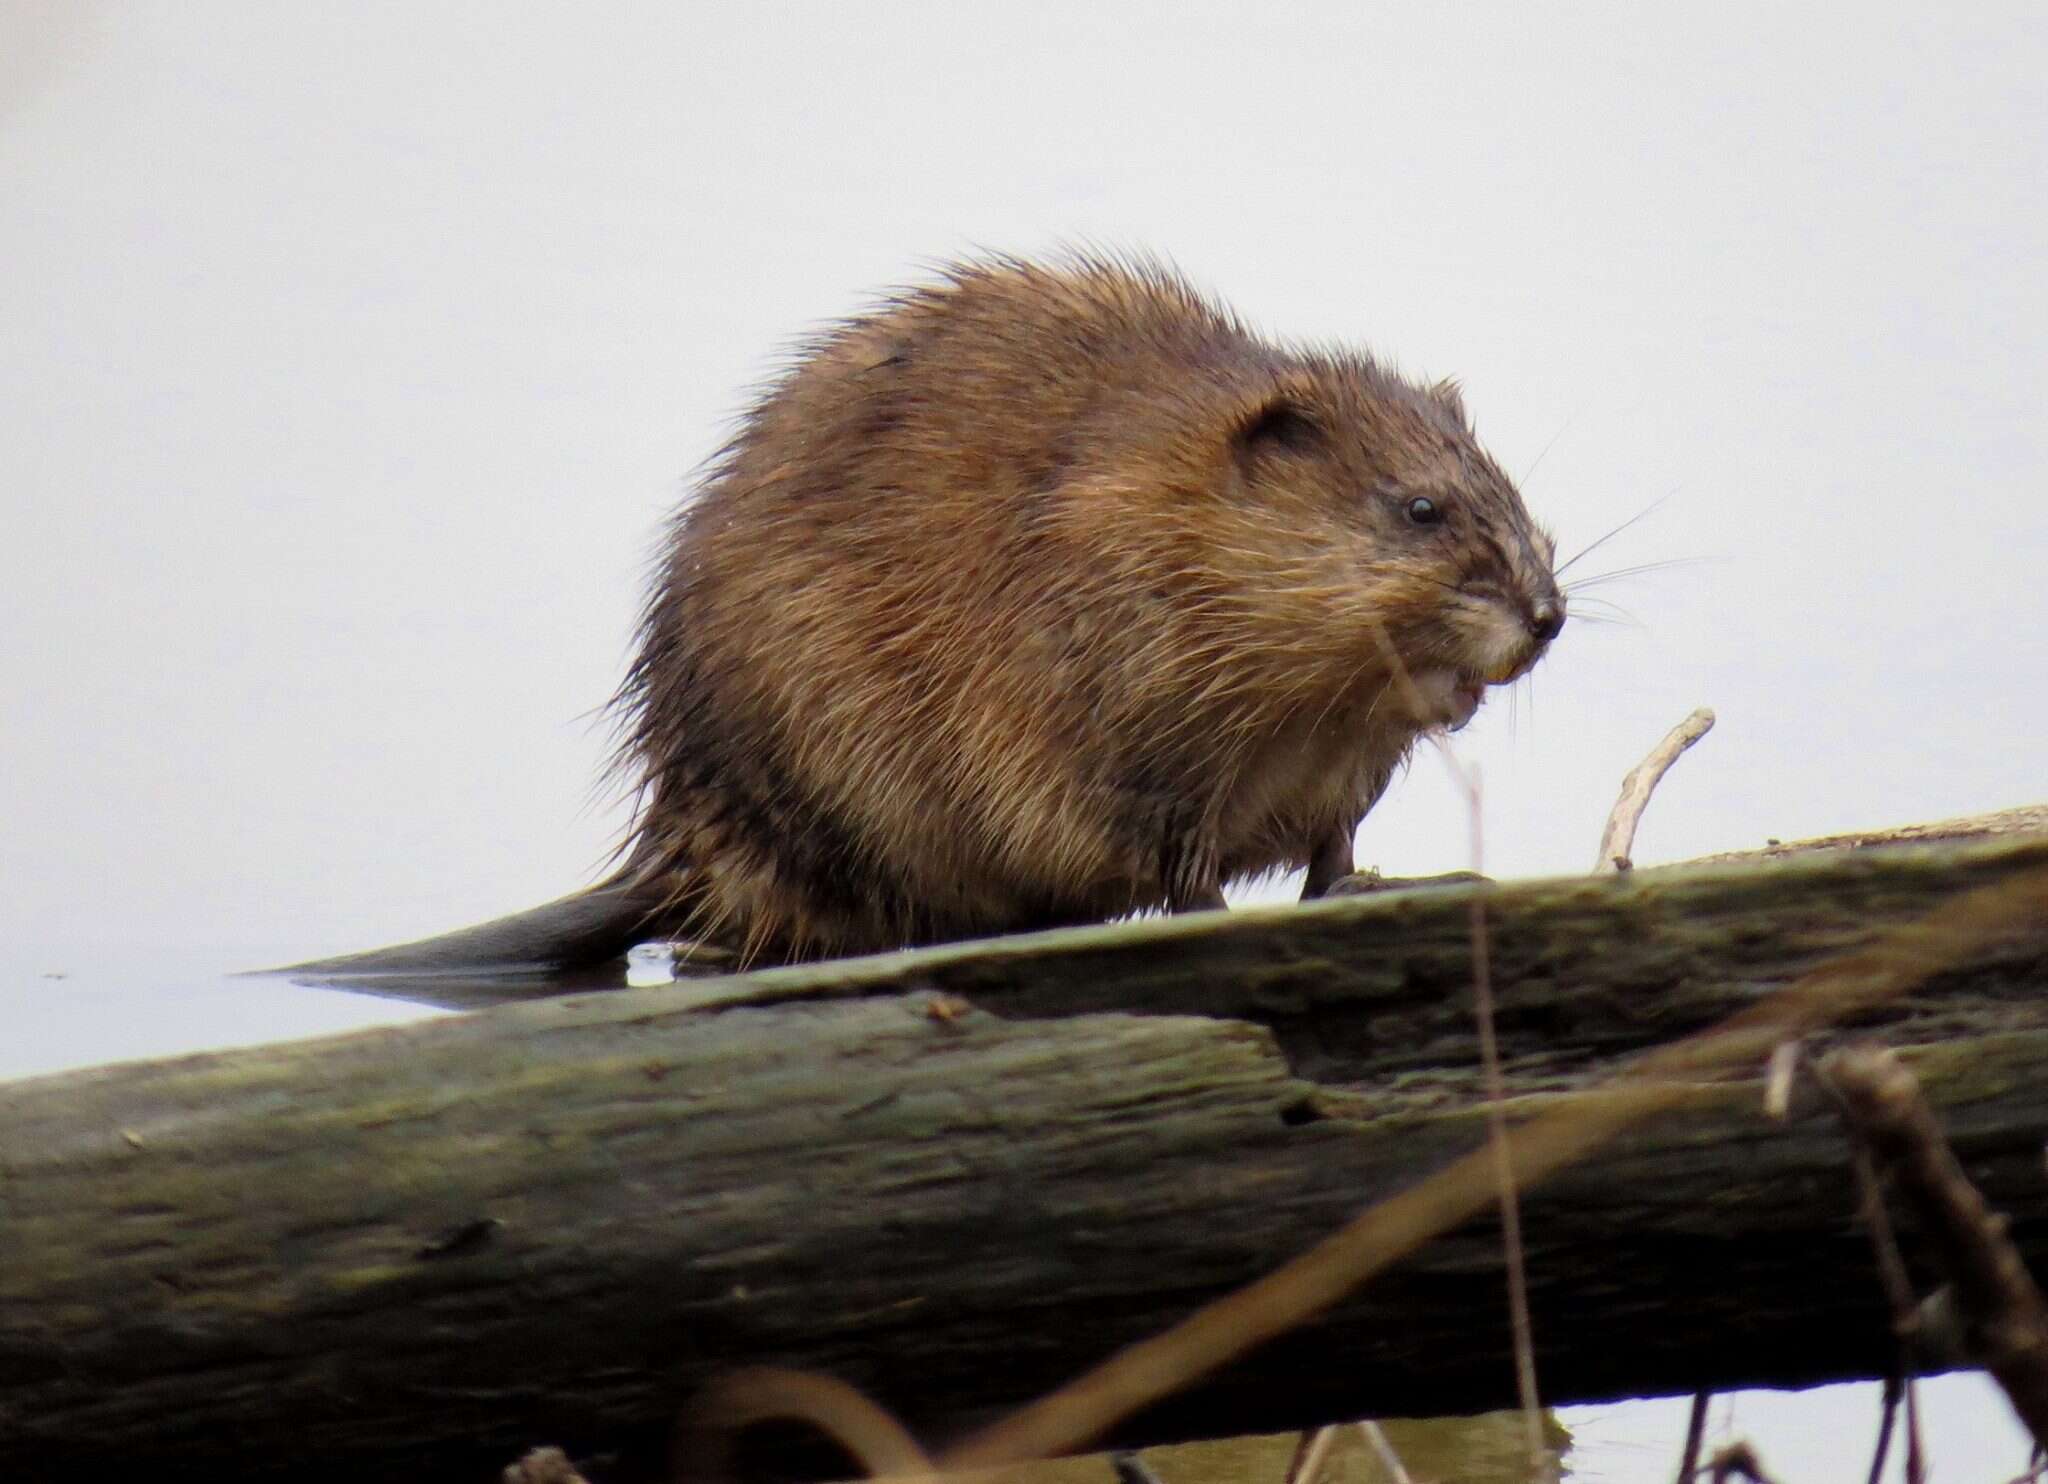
528 953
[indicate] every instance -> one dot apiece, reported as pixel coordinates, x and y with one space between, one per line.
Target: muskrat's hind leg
1328 863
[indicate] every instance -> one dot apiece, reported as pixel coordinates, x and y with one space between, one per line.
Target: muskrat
1038 595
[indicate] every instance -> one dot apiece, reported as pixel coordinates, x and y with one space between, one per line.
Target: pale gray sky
349 356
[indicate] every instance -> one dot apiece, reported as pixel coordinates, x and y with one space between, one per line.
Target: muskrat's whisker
1597 610
1585 551
1530 472
1580 584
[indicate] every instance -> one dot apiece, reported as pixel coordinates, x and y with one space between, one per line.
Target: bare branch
2003 1316
1695 1434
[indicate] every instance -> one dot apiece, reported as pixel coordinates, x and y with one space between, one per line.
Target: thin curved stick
1619 838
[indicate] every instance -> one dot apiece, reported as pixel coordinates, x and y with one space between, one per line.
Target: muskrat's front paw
1360 883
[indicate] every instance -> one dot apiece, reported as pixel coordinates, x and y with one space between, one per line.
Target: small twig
1884 1242
2001 1313
1892 1387
2037 1466
1131 1468
1778 1081
1737 1461
1891 1273
1384 1451
1695 1434
1619 838
1309 1454
1916 1455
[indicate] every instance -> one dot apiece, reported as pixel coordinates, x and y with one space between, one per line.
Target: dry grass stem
1526 1391
1389 1460
717 1415
1497 1145
1309 1455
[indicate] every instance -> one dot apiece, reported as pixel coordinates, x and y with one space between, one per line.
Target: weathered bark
2029 819
955 1177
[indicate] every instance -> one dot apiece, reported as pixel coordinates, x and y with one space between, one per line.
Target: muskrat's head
1412 555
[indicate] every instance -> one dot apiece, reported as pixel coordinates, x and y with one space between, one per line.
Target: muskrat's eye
1423 511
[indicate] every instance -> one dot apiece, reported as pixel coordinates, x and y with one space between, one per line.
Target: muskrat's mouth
1446 698
1466 694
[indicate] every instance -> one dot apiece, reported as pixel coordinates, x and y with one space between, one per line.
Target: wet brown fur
1046 593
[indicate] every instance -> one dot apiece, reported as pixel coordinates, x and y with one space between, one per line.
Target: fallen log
955 1177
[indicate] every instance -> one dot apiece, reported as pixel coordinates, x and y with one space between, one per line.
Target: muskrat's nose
1546 618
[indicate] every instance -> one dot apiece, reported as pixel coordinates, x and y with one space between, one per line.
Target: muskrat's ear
1281 423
